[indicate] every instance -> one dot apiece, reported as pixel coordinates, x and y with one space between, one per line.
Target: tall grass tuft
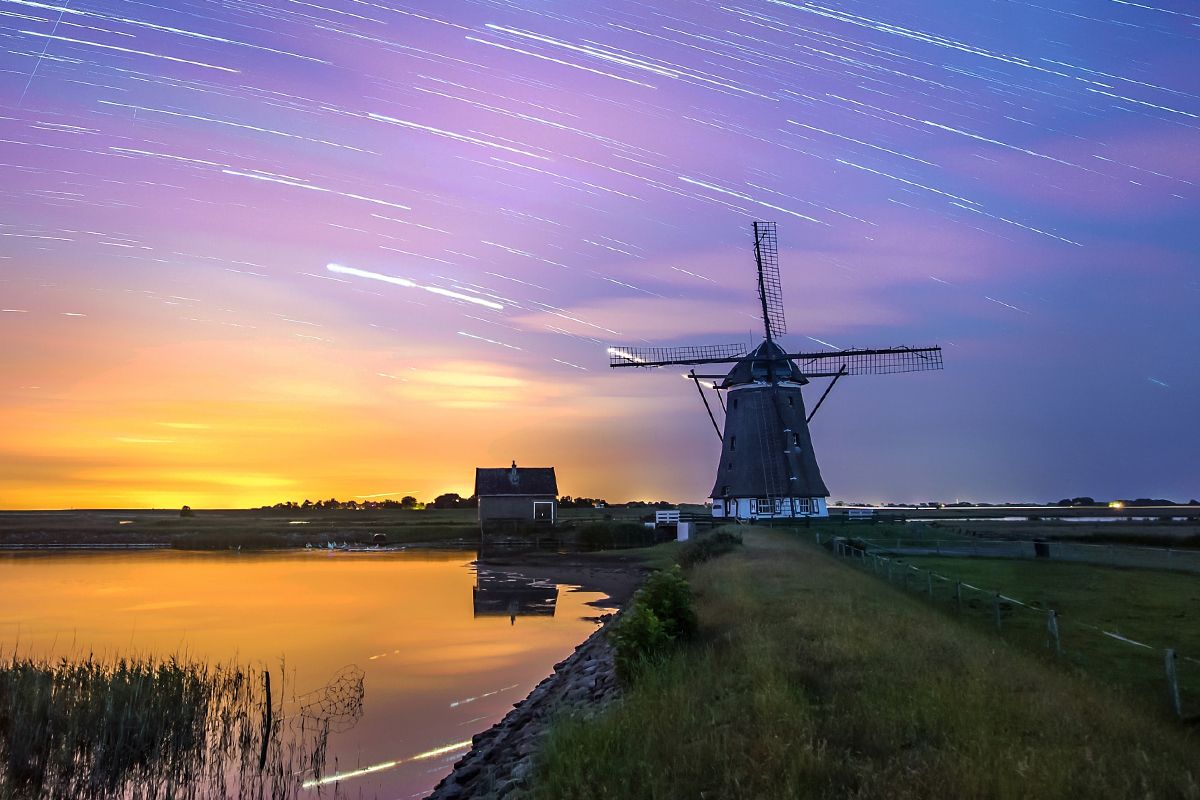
145 728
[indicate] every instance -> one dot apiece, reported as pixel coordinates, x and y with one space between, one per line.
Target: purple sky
1016 181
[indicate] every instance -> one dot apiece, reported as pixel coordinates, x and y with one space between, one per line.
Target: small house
515 493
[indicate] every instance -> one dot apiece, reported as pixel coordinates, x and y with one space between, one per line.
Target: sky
276 249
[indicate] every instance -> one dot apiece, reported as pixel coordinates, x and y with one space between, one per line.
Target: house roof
515 480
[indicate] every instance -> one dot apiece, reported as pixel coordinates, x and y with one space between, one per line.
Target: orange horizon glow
259 418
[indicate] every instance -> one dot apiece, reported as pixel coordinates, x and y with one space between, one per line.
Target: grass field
232 528
1161 609
1145 533
814 679
251 528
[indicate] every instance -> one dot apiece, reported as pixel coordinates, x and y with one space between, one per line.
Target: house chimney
512 476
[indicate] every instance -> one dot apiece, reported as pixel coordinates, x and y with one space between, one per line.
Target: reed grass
145 728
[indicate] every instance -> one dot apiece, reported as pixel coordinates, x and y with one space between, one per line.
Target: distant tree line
566 501
449 500
1141 501
408 502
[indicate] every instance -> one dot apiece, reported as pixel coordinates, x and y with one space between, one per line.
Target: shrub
607 535
663 613
669 596
638 638
709 547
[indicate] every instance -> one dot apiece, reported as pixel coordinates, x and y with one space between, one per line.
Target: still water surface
445 649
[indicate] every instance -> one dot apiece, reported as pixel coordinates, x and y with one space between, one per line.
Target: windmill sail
869 362
770 291
621 356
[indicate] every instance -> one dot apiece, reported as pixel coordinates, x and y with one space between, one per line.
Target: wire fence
1003 609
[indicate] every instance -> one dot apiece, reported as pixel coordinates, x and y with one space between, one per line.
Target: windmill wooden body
768 469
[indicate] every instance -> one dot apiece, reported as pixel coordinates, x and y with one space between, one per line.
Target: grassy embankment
811 678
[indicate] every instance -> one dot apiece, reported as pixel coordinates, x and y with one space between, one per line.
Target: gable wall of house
510 507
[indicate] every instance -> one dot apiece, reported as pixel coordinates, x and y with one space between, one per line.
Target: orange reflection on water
435 672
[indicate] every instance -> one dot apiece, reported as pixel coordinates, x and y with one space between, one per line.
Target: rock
450 790
501 758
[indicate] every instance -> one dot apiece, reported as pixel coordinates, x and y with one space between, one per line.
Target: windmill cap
760 363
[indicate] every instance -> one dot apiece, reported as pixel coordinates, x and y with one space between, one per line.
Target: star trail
245 220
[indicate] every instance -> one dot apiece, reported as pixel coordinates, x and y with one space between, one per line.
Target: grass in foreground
812 679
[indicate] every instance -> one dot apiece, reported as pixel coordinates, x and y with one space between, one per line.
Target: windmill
768 469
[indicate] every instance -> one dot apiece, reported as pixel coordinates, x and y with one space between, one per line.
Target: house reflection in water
511 595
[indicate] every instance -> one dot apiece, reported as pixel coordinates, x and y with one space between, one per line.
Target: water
444 652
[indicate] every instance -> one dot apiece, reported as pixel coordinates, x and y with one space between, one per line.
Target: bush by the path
662 614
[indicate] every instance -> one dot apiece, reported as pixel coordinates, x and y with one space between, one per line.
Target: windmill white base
765 508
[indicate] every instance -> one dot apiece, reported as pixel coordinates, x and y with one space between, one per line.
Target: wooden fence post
929 577
1173 683
889 570
1052 629
958 595
996 605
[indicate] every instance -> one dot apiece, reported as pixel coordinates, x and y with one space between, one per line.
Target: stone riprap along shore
500 761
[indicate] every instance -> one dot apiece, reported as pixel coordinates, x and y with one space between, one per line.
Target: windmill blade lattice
665 356
770 291
869 362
